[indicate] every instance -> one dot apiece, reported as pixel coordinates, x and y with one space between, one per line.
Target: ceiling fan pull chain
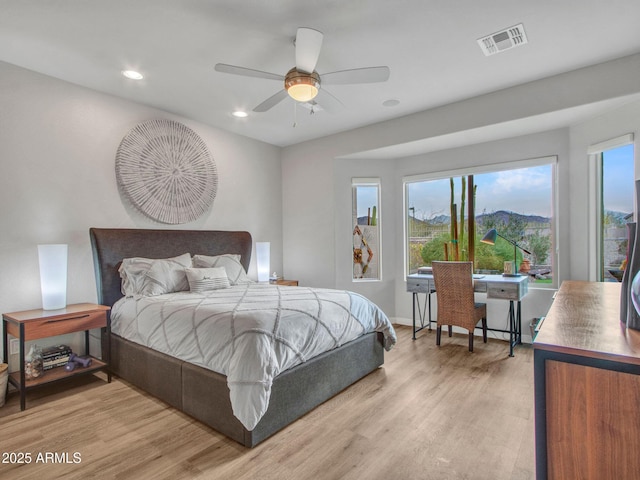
295 114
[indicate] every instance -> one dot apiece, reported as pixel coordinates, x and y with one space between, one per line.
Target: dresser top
584 320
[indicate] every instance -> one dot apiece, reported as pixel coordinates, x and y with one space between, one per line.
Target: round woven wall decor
166 171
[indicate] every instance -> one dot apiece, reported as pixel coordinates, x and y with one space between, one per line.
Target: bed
202 392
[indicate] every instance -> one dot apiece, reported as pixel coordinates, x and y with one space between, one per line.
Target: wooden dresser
587 387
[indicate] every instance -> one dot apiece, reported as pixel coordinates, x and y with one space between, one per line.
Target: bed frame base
204 394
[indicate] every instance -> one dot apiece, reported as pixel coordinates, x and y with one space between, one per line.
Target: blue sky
526 191
367 198
618 179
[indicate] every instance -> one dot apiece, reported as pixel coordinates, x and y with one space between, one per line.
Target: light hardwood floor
429 413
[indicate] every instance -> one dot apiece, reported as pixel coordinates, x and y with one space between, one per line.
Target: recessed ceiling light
240 114
391 102
132 74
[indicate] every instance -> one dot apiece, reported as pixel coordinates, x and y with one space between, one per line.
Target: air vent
503 40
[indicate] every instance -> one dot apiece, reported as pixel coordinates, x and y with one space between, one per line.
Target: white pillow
149 276
230 262
204 279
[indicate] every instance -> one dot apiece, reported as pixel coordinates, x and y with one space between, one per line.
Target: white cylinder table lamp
263 260
53 276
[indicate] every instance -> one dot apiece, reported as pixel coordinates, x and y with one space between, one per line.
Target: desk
498 287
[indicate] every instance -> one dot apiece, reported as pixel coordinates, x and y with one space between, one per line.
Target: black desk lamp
490 238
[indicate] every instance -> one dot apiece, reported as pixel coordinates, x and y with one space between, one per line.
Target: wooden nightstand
288 283
34 324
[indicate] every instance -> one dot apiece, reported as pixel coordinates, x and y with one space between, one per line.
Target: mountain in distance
502 215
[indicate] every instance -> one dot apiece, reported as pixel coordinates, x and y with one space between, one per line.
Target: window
516 200
615 174
366 228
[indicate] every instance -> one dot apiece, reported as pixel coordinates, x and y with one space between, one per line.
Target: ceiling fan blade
356 75
328 102
271 102
308 44
246 72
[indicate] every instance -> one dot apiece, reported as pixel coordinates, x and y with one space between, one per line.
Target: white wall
58 144
381 292
611 125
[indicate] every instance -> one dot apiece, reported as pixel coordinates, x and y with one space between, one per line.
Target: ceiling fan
302 82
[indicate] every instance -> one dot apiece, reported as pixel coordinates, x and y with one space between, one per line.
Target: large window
615 209
516 201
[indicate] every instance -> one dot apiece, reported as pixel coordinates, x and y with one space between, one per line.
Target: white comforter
250 333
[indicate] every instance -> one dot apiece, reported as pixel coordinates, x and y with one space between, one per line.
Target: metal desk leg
422 312
512 327
519 336
515 326
414 314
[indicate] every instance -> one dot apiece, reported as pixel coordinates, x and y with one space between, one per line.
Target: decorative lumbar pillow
230 262
204 279
148 276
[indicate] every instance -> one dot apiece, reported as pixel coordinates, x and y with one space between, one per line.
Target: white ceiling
430 46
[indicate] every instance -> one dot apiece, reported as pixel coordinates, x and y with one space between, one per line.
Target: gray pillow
230 262
204 279
149 276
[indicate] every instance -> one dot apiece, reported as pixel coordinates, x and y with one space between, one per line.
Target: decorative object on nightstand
490 238
263 251
34 324
53 275
33 364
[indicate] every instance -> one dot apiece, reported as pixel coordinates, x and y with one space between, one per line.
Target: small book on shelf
55 352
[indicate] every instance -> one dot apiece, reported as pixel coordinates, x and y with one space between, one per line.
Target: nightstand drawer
43 323
52 326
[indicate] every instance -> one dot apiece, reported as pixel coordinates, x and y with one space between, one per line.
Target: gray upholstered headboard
111 245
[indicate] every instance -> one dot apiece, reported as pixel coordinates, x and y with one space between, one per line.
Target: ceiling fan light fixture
302 86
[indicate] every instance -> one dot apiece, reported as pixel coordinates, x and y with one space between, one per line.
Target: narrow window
366 256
